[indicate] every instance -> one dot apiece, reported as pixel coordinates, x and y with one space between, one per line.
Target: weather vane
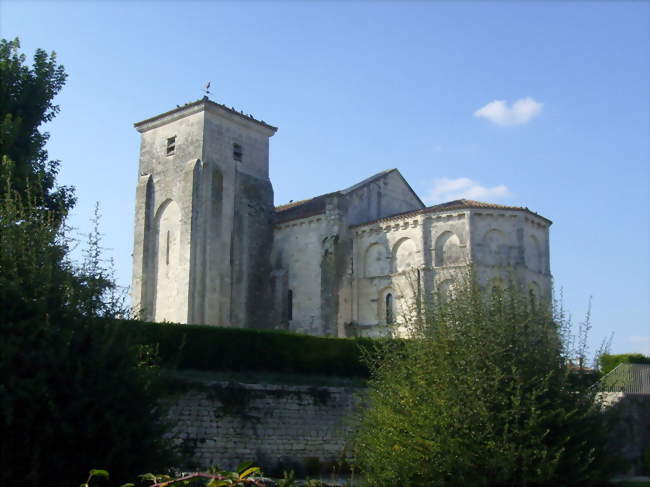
206 90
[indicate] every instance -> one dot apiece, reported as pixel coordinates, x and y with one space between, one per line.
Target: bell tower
203 218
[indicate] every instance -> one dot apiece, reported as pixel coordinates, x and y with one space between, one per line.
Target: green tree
75 391
608 362
26 103
480 394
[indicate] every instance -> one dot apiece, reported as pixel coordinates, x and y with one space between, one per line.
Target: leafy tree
480 395
74 391
26 103
608 362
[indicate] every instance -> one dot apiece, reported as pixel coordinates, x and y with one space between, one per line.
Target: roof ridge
367 180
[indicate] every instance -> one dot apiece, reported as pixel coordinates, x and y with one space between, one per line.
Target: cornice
205 104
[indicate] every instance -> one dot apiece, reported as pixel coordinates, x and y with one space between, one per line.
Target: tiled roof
301 209
462 204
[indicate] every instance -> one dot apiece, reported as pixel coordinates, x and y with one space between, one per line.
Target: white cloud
445 189
521 111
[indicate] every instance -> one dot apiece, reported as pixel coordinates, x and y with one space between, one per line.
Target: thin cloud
445 189
522 111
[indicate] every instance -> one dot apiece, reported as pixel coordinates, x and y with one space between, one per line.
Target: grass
261 377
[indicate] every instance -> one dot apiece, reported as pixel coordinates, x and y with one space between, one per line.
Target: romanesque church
211 248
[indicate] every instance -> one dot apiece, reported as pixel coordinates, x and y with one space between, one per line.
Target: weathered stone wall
297 252
307 429
203 226
630 435
503 241
276 426
413 256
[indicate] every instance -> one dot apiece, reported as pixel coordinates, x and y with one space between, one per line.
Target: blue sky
539 104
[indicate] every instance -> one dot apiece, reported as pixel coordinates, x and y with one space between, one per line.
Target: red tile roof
301 209
451 206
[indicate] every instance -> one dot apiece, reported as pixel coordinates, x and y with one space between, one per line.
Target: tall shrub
72 394
480 394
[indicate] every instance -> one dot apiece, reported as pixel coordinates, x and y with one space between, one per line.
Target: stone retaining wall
276 426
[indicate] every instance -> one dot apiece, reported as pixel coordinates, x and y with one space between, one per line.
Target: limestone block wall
163 220
276 426
401 260
506 240
385 196
404 257
307 428
204 208
298 251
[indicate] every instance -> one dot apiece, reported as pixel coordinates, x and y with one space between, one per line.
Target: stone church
211 248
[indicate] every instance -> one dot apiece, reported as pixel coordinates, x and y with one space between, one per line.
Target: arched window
167 249
376 261
389 308
290 305
404 257
168 269
534 255
533 295
533 299
446 290
448 250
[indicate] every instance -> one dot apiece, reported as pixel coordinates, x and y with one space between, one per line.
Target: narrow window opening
237 152
171 145
389 308
290 305
167 249
533 299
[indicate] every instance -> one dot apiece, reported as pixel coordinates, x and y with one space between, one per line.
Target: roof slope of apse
461 204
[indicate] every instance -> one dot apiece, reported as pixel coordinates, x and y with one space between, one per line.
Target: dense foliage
609 362
481 395
237 349
73 393
26 102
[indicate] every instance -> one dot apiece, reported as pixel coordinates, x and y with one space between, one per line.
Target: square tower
203 219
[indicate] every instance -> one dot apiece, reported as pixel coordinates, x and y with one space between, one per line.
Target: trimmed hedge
215 348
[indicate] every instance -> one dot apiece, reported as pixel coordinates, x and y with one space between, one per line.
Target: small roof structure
627 378
316 205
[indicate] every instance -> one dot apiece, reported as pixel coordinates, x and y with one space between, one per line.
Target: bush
74 393
205 347
480 395
609 362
